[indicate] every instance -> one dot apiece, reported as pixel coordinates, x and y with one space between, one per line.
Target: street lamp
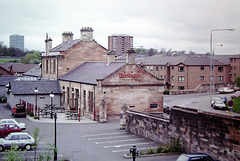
51 96
211 64
36 91
55 139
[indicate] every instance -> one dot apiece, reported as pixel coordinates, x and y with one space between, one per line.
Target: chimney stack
111 55
130 56
67 36
48 46
86 34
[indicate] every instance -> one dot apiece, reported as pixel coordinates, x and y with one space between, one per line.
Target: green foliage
31 58
9 60
236 105
237 81
166 92
13 154
3 99
175 145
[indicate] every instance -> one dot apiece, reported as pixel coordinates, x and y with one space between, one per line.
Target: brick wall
214 134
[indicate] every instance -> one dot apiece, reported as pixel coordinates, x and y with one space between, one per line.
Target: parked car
6 129
236 94
236 89
223 98
21 125
195 156
225 90
166 108
22 139
19 110
218 104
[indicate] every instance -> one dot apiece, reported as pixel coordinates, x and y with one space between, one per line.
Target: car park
218 104
195 156
21 125
19 110
223 90
6 129
236 94
21 139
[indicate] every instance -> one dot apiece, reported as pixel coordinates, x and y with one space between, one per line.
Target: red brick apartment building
120 43
183 72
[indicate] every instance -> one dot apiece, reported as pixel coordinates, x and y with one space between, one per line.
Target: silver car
22 139
6 121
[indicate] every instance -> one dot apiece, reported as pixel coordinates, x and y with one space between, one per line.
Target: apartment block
120 43
16 41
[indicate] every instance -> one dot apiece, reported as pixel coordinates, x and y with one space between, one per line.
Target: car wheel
28 147
1 148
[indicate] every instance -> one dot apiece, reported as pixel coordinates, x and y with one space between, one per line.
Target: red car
236 94
6 129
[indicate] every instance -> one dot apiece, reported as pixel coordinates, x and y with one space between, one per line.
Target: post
51 97
134 152
55 139
36 91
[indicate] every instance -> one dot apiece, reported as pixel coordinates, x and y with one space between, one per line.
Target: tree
237 81
151 52
32 58
37 139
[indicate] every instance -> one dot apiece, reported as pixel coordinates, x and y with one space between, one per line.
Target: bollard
134 152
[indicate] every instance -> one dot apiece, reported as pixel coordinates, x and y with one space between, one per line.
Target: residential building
184 72
15 68
16 41
120 43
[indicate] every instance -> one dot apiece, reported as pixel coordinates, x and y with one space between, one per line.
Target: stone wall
214 134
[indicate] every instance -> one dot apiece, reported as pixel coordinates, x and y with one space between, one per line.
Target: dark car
166 108
195 156
6 129
19 110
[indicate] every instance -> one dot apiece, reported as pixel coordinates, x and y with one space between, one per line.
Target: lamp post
36 91
51 97
55 139
211 63
213 66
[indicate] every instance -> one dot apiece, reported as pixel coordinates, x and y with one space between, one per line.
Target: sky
158 24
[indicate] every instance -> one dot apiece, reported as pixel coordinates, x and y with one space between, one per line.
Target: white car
218 104
225 90
22 139
5 121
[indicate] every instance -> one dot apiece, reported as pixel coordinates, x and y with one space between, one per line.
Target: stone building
96 85
71 53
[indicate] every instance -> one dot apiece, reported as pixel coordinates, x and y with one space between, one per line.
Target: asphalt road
87 142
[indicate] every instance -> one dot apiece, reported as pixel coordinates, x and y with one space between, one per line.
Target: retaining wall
214 134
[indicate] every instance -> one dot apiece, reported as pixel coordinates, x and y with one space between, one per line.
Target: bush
3 99
166 92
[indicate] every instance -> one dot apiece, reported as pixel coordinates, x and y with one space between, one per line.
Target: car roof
7 119
195 154
17 133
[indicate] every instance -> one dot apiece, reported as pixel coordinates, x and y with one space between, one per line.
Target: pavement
61 118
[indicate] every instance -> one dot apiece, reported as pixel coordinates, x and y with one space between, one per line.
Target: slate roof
35 72
185 59
4 80
66 45
27 87
224 58
89 72
18 67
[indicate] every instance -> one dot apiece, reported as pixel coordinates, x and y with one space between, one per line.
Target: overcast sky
170 24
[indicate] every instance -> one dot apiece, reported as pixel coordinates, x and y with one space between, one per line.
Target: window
77 97
54 66
42 98
180 69
68 96
73 97
161 67
172 77
172 67
47 66
90 101
25 137
153 105
84 99
220 78
180 87
156 68
181 79
64 94
202 67
235 68
201 77
220 69
151 68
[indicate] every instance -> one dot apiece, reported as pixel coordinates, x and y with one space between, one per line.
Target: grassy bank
9 60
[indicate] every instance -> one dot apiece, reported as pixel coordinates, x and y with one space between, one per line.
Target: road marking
121 145
111 137
123 150
103 134
105 142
